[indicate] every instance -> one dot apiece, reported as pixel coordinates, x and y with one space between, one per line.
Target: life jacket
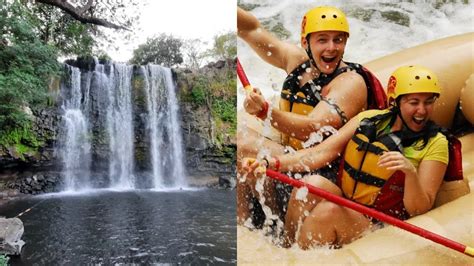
302 100
361 180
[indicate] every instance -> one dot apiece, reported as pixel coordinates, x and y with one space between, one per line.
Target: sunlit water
142 227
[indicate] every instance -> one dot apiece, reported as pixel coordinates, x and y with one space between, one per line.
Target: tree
86 12
25 66
79 27
59 29
194 53
163 50
225 46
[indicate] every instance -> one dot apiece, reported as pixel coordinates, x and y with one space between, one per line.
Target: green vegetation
216 89
163 50
225 46
3 260
218 94
25 67
34 34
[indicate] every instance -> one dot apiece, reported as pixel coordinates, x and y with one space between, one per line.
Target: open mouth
418 120
327 59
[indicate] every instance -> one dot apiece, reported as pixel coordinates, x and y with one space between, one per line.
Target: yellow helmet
411 79
324 18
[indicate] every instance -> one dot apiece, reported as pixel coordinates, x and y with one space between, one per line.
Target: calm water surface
197 227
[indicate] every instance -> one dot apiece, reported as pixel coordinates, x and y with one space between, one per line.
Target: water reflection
128 227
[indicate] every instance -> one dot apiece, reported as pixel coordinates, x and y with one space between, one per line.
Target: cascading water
163 128
120 127
100 111
75 144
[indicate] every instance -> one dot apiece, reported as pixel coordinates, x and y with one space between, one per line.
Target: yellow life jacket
361 179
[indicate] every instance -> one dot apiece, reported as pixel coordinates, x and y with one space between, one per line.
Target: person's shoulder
350 79
351 75
295 57
439 139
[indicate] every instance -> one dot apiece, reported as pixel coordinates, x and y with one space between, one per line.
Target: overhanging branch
78 13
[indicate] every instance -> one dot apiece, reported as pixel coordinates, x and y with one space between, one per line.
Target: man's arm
348 91
272 50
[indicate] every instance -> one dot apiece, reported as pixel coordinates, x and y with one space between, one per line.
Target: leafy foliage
73 38
218 94
225 46
3 260
163 50
60 30
25 66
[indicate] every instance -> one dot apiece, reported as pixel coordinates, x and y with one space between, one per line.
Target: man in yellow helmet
394 161
321 90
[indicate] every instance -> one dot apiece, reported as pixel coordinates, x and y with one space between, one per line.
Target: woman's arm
421 185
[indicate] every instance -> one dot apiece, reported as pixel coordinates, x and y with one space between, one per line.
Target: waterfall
102 124
74 142
164 128
120 127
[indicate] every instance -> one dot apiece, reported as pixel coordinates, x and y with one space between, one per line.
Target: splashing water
377 28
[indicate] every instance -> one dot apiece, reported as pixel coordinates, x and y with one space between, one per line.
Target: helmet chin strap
313 62
405 125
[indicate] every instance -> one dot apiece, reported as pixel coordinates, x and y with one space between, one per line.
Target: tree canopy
25 66
78 28
225 46
163 50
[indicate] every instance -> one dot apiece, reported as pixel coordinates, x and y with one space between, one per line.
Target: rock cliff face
205 155
38 169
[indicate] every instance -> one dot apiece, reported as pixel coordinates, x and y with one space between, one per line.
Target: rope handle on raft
373 213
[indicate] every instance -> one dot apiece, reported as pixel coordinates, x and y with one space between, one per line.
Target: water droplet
308 70
327 66
275 87
300 77
269 53
301 193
